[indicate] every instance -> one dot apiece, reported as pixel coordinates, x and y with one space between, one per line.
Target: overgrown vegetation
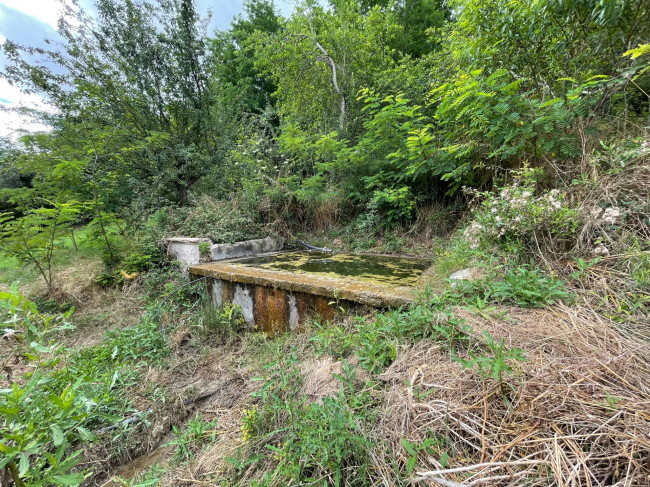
506 139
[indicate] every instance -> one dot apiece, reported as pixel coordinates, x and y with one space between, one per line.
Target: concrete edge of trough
245 248
348 290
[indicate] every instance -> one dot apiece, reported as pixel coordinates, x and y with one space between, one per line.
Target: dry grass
578 411
629 192
578 414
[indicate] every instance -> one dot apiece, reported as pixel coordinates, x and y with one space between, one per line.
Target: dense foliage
522 126
392 105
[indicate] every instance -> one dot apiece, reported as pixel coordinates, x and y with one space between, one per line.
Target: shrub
220 221
54 410
519 216
329 439
39 427
375 342
225 321
496 362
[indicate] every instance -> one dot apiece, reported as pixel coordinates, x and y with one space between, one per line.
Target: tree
234 57
320 60
32 238
141 73
549 42
417 20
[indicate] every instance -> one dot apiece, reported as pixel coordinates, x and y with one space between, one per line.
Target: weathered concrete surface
280 298
245 248
272 310
344 288
186 250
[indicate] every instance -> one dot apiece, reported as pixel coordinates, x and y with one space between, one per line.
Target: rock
160 429
469 274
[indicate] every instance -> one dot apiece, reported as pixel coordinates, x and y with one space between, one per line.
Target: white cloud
12 123
47 11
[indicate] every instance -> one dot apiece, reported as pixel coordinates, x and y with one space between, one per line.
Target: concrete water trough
278 291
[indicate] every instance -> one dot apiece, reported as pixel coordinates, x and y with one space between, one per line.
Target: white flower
557 205
600 249
526 194
497 218
611 214
517 218
494 210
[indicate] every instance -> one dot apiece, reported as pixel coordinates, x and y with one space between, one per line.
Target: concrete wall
272 310
186 250
244 249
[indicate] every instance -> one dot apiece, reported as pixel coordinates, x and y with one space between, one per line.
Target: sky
30 22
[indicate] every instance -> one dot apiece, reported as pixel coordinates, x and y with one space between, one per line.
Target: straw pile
578 412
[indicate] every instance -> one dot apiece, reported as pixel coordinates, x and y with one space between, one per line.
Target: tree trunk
74 241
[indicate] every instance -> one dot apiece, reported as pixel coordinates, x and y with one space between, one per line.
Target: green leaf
410 465
40 348
638 51
68 479
408 446
85 434
57 435
23 465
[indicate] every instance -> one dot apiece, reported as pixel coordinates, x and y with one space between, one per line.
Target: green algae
380 269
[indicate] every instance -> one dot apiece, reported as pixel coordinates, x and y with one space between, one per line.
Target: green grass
11 270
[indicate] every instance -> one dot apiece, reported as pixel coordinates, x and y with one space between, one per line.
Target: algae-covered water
397 271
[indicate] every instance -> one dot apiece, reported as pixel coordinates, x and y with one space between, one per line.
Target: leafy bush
496 362
523 285
224 321
329 439
53 410
278 396
39 427
220 221
375 342
492 118
516 218
28 331
137 262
